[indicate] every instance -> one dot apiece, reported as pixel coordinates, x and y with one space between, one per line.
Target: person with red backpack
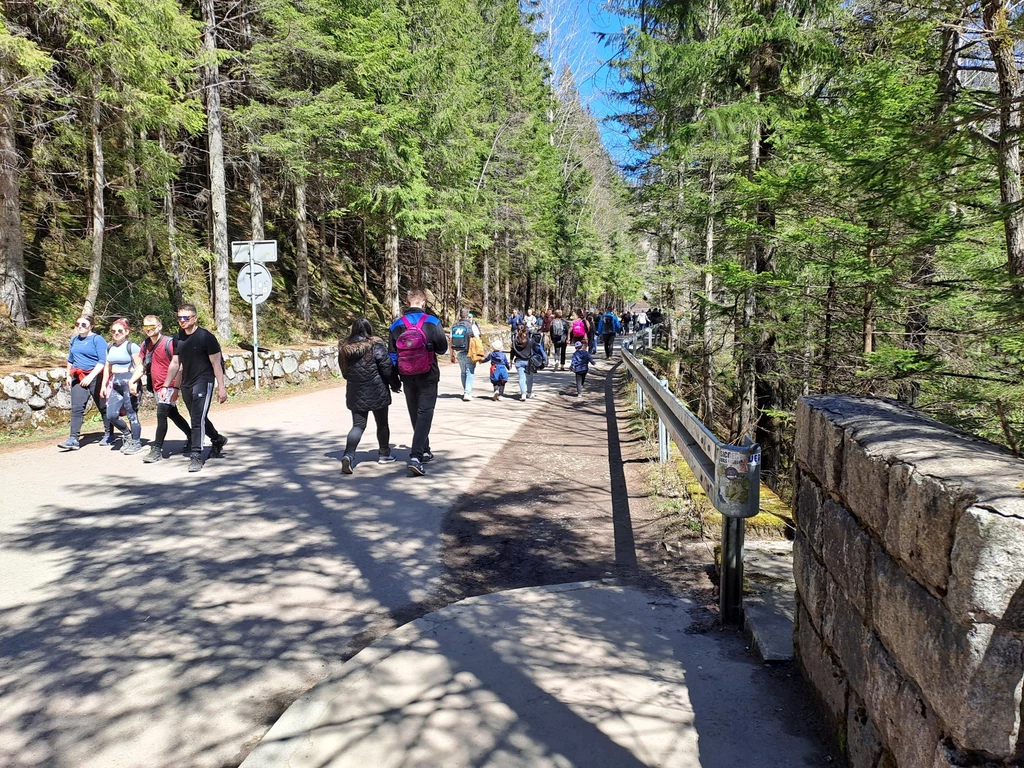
157 351
415 340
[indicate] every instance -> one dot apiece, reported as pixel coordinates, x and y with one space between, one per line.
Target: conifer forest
820 196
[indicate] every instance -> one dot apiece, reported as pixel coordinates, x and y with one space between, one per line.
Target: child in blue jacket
499 368
580 365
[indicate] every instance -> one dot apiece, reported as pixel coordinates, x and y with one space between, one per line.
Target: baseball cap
578 345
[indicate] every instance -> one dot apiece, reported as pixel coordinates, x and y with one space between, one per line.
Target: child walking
499 368
580 365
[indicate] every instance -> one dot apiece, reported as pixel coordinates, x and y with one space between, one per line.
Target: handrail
729 474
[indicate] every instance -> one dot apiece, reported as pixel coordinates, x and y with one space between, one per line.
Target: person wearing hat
580 365
499 368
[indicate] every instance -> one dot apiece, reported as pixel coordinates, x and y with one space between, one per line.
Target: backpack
539 359
558 328
414 357
147 360
608 323
579 328
461 333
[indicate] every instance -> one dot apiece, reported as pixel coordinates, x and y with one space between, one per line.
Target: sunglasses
183 318
81 325
116 331
148 327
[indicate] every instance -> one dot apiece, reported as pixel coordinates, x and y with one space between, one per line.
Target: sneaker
496 396
107 440
71 444
416 468
156 453
186 450
385 458
579 394
427 457
346 464
522 398
465 397
529 395
217 446
132 447
195 463
126 441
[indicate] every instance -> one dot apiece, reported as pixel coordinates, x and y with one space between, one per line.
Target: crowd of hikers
189 364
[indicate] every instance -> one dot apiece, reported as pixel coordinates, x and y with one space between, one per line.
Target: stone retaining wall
909 565
40 399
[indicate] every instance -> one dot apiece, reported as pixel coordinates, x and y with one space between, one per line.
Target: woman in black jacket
366 365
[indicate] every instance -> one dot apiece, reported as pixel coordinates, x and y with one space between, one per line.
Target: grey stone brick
822 673
987 575
807 507
819 443
863 746
846 553
865 486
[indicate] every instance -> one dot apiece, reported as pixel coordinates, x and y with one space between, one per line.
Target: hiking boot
107 440
386 458
217 446
346 464
132 447
156 453
416 468
71 444
427 457
195 463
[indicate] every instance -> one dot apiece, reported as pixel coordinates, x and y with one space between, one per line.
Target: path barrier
729 474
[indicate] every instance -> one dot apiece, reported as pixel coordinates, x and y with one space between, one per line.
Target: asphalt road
151 617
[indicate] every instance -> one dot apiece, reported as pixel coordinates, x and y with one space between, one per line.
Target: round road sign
254 283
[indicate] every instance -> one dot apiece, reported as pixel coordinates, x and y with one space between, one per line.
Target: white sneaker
496 396
529 395
465 397
522 398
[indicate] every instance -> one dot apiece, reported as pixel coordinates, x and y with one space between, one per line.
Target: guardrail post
663 434
650 336
731 575
639 397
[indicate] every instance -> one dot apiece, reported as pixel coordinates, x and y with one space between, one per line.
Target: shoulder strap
168 349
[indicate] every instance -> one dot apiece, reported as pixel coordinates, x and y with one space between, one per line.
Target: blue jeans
525 377
467 370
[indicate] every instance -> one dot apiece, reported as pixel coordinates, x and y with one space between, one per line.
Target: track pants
80 401
420 397
197 399
581 379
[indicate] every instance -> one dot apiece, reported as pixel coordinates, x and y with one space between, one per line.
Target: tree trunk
172 235
325 262
1001 39
218 193
391 297
301 253
485 309
707 400
458 280
255 197
12 246
826 339
99 182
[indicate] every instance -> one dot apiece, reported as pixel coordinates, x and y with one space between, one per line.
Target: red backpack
414 357
579 328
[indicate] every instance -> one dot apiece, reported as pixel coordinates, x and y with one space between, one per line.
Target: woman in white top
121 377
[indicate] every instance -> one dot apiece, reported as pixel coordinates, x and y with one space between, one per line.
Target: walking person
578 332
609 327
559 340
197 358
499 369
366 365
87 355
641 320
580 365
415 340
463 352
157 352
591 321
525 348
122 373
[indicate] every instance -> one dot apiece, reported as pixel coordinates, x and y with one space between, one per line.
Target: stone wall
40 398
909 565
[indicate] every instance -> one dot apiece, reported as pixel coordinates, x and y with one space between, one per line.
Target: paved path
151 617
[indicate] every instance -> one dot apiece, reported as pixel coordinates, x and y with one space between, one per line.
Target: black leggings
609 344
197 399
581 378
560 352
80 400
359 421
166 411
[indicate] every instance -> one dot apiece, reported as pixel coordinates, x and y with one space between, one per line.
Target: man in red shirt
157 352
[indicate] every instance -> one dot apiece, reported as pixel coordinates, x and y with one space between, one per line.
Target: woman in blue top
87 353
121 375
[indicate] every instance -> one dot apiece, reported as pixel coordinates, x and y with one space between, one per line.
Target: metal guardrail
729 474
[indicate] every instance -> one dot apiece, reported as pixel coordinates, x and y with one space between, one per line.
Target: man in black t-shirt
197 366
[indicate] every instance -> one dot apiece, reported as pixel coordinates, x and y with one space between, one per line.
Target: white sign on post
254 283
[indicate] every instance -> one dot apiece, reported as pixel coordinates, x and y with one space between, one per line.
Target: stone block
17 387
44 391
971 675
863 746
865 486
290 364
987 575
811 581
807 507
277 371
36 402
61 399
819 444
846 553
851 640
823 674
56 374
14 413
923 514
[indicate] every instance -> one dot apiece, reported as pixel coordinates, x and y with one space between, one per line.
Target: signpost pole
255 338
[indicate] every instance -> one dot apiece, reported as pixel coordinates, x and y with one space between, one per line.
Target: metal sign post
254 284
